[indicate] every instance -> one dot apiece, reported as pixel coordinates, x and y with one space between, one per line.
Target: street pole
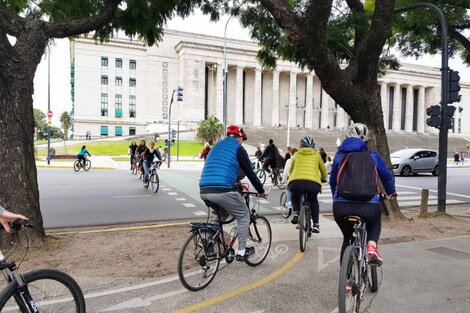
178 141
443 131
225 75
169 129
288 126
48 104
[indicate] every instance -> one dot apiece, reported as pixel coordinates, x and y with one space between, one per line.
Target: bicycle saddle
212 205
354 219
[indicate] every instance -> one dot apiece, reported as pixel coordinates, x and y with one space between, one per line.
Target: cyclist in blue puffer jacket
356 141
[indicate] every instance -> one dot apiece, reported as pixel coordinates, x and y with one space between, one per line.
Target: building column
384 100
325 111
239 96
421 110
275 99
219 96
396 123
309 102
257 103
409 109
292 99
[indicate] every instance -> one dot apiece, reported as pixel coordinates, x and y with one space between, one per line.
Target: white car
413 161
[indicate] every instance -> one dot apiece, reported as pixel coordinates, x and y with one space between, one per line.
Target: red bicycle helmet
236 131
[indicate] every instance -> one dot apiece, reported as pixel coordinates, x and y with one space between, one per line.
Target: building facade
124 87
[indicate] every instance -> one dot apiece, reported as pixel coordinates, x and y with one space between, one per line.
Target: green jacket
307 164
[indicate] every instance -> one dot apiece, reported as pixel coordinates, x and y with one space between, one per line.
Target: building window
118 81
391 95
104 104
118 63
403 108
132 64
118 106
104 80
118 131
104 130
131 131
132 109
104 61
132 82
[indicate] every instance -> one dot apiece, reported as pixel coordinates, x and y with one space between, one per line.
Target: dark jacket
150 156
269 153
356 145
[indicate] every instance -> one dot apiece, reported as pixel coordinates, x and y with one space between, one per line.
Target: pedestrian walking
462 158
205 151
323 155
456 158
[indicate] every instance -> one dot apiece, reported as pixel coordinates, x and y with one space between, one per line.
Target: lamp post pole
49 104
225 75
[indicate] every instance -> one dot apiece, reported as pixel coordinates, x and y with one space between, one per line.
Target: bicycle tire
188 268
303 228
260 238
73 301
372 276
261 174
76 166
285 211
155 182
349 277
87 165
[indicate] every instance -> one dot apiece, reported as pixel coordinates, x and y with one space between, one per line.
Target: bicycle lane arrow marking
139 302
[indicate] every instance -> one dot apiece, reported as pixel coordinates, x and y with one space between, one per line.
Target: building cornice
210 47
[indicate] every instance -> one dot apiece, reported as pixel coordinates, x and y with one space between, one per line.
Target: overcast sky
60 61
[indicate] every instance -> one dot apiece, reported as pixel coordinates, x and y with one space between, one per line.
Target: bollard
423 210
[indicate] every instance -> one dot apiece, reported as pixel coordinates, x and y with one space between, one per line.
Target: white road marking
200 213
132 196
166 189
180 199
416 197
172 193
432 202
449 193
189 205
139 302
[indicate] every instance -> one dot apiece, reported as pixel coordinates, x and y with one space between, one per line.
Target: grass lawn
186 148
43 141
120 159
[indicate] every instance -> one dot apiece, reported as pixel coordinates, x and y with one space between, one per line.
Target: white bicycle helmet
307 142
358 130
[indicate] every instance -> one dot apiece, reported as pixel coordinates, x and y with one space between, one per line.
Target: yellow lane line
118 229
254 285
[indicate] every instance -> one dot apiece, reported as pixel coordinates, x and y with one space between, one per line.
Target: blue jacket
83 152
356 145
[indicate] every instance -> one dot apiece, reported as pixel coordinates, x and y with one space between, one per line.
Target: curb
71 167
115 229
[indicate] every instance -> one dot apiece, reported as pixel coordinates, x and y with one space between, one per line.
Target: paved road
418 277
101 197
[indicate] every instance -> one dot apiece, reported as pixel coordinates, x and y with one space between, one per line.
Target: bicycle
44 290
275 175
356 273
200 257
135 165
154 180
86 165
285 211
305 222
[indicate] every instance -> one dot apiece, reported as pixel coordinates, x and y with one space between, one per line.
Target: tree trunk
19 191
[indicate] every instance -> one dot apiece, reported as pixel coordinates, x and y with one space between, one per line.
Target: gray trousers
234 204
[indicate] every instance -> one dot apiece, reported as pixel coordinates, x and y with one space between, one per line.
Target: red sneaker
373 255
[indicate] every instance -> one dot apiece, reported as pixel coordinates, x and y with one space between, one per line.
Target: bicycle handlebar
17 225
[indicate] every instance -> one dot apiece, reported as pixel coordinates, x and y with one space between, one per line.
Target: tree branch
461 26
10 22
460 38
355 5
85 25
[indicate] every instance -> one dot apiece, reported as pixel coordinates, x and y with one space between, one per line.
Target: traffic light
434 119
179 93
454 87
448 122
166 142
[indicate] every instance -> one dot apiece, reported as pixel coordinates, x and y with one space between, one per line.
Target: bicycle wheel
155 182
47 290
87 165
372 276
303 229
285 211
261 175
259 237
349 282
76 166
199 260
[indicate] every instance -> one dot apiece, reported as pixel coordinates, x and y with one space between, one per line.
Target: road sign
49 114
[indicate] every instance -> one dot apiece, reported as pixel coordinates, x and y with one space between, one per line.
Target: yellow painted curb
71 167
118 229
256 284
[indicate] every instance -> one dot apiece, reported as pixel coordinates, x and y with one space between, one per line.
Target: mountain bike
44 290
208 245
305 222
275 176
356 273
86 165
154 180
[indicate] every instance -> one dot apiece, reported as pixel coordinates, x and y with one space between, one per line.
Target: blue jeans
289 195
146 171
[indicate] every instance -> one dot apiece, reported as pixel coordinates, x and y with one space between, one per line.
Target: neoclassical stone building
124 87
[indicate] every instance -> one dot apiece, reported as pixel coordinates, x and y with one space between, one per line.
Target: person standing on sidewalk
456 158
218 179
462 158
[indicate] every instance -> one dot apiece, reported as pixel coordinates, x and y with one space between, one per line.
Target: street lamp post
48 104
225 75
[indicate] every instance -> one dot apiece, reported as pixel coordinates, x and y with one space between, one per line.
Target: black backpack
357 177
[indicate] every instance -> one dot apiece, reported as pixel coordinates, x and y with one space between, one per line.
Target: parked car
413 161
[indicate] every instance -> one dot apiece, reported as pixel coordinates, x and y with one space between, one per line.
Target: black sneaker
295 219
316 228
249 251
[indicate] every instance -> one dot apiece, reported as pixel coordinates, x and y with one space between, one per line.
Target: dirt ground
148 253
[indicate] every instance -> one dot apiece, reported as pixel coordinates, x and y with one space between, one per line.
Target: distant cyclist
218 179
269 155
354 147
82 155
131 152
139 153
307 172
150 154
